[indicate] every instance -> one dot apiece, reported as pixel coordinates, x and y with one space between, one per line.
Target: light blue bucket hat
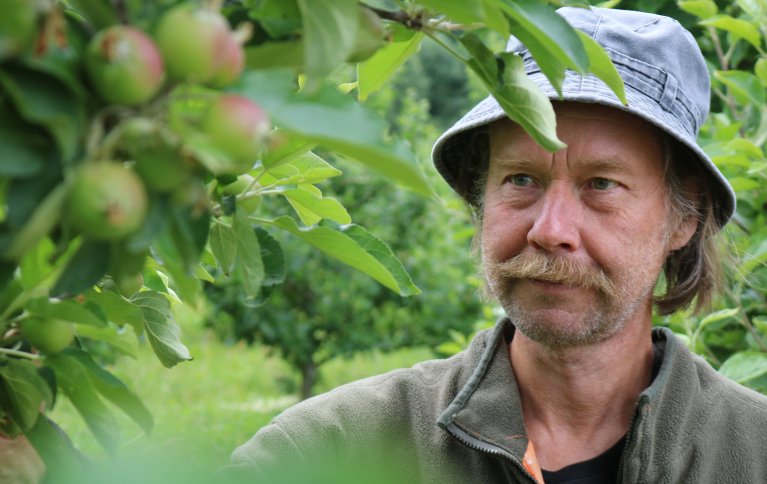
666 83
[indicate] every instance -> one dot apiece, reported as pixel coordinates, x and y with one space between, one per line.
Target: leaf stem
20 354
444 45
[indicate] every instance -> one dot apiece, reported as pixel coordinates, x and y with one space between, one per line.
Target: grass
205 408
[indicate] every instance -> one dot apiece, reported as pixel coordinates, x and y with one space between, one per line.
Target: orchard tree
137 140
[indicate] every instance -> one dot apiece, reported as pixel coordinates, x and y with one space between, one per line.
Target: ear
683 232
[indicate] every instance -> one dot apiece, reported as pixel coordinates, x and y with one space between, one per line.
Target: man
575 385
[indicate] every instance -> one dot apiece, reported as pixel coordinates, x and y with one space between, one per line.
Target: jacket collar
488 407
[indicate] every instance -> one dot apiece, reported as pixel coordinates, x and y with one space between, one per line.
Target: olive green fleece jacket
460 420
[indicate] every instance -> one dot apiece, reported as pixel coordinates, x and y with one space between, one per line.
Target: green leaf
754 259
754 8
520 98
118 309
121 340
330 27
336 121
162 332
311 208
86 267
303 168
760 69
288 147
249 260
43 220
742 184
189 231
746 87
114 390
495 19
744 366
739 28
288 54
601 65
272 257
223 244
356 248
56 450
700 8
279 18
551 66
24 392
99 14
537 20
65 310
74 381
374 73
378 249
35 264
179 248
43 100
24 154
717 317
153 225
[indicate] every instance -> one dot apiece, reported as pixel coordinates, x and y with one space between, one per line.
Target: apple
107 201
237 128
124 65
192 40
47 335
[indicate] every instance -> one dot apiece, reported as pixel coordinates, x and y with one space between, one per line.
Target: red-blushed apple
237 127
192 40
124 65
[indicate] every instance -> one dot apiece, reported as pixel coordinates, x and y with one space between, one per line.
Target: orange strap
530 461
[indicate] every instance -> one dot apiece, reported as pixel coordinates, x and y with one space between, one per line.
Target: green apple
107 201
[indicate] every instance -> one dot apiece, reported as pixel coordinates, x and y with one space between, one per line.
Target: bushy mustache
556 269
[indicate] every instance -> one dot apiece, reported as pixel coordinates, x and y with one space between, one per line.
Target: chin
557 328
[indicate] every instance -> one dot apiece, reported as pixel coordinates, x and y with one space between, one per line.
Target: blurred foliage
323 309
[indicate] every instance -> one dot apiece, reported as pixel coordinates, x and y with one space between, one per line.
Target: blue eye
521 180
603 184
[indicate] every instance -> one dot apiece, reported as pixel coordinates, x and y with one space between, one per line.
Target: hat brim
450 149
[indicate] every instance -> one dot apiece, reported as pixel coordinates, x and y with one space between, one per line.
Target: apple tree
138 140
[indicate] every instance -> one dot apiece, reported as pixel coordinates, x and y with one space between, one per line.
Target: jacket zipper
629 435
482 446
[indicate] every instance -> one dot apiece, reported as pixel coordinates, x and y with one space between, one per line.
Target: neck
578 401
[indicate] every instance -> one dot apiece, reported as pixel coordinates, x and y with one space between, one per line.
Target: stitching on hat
596 28
638 66
668 97
655 21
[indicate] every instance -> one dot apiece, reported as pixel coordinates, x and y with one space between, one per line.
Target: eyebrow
602 165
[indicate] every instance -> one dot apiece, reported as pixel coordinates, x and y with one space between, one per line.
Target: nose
556 225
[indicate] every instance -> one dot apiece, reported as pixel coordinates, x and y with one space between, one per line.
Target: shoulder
390 414
361 417
378 399
724 392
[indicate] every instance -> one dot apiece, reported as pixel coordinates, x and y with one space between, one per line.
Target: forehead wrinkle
607 165
516 162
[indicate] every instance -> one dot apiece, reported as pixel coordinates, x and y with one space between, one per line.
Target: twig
399 16
20 354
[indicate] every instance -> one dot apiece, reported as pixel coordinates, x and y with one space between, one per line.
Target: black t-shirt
602 469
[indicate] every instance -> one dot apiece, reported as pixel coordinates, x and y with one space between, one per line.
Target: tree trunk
308 379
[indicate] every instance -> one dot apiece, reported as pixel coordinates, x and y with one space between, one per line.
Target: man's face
573 242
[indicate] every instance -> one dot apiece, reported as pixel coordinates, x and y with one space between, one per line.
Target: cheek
503 234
